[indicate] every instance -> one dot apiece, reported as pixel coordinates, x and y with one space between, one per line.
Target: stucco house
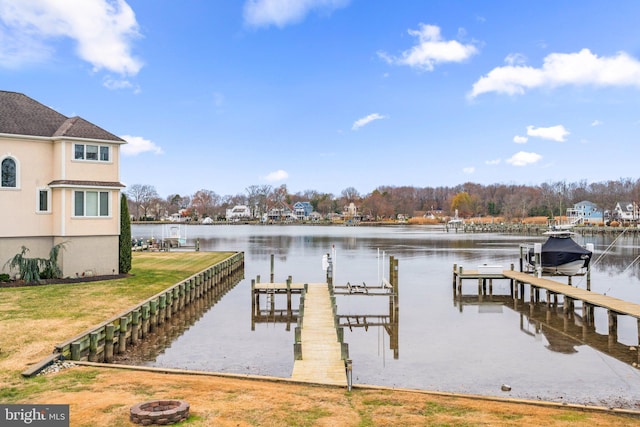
60 182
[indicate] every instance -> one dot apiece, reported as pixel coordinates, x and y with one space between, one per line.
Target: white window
90 152
43 200
91 203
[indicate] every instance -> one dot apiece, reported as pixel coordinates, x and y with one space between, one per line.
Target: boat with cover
561 255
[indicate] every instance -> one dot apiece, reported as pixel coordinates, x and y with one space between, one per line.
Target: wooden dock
322 360
553 288
593 298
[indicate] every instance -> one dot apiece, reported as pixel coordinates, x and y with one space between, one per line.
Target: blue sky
330 94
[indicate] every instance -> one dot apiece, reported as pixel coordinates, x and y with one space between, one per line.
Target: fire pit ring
159 412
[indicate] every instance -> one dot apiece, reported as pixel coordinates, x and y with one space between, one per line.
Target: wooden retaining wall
537 230
113 336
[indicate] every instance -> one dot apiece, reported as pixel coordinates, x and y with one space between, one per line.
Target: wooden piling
272 268
93 346
75 350
122 338
613 327
135 326
145 320
108 342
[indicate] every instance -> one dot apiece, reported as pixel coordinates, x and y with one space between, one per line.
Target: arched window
8 170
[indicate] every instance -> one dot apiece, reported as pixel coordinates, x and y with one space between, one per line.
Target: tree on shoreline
512 201
124 261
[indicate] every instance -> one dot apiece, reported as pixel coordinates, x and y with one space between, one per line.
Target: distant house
315 216
279 212
238 212
60 183
626 211
350 213
585 212
302 210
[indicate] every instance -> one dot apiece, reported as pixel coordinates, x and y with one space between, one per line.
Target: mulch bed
21 283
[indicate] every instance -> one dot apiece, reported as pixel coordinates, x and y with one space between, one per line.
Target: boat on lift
560 255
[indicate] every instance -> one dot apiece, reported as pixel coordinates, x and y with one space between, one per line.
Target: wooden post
455 269
272 269
638 348
145 320
181 295
162 308
613 328
289 295
108 342
122 338
169 308
176 299
153 310
75 350
135 326
344 351
93 346
297 351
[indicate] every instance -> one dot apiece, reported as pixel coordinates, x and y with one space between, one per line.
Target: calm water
443 344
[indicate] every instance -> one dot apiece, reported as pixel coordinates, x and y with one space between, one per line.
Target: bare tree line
511 201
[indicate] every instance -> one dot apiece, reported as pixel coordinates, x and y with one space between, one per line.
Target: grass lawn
35 318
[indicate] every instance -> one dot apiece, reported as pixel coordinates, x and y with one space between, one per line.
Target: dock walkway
321 351
593 298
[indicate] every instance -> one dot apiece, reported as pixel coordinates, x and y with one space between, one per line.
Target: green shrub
32 270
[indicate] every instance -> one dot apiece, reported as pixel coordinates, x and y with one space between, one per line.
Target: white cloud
262 13
431 50
115 84
515 59
278 175
596 123
523 158
518 139
102 29
493 162
137 144
554 133
560 69
366 120
469 170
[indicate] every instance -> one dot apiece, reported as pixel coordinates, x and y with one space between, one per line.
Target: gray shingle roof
60 182
21 115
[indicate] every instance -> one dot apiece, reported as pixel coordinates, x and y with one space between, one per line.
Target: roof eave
61 138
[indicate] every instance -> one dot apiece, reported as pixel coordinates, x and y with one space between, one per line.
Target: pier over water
590 300
321 352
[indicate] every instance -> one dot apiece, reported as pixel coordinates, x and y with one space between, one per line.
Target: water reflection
562 329
161 337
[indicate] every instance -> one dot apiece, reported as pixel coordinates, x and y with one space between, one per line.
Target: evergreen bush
124 264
